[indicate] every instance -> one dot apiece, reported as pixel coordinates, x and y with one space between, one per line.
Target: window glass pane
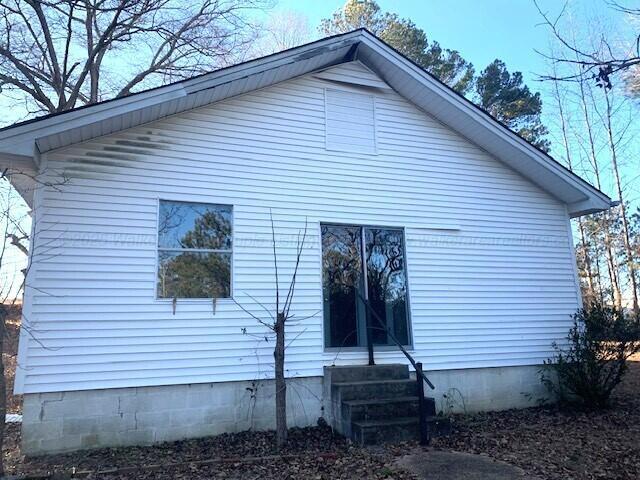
387 283
194 275
194 225
342 277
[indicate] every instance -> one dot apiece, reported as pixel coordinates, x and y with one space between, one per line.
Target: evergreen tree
502 94
507 98
403 35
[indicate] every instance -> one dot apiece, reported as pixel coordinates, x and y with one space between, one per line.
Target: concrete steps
373 389
379 408
365 372
374 432
377 404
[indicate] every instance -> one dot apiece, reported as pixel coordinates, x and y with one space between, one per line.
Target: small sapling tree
276 323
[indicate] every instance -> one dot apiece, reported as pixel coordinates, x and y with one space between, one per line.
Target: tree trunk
281 386
612 266
609 253
599 278
623 209
591 296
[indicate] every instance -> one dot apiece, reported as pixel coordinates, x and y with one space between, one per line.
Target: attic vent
350 121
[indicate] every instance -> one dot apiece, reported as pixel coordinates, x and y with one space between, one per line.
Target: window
194 250
350 121
364 263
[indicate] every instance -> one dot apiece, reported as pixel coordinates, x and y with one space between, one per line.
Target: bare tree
585 100
276 324
614 139
584 254
14 237
58 54
284 29
601 138
603 248
581 139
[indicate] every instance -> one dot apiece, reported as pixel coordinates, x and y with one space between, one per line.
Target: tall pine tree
507 98
403 35
502 94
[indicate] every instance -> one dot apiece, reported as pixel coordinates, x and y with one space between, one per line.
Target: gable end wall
490 264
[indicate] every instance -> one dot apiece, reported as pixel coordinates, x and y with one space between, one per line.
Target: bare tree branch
600 64
17 242
61 53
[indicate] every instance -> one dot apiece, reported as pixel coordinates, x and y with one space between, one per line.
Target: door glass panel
342 278
387 283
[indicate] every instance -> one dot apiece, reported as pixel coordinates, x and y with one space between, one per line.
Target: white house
151 223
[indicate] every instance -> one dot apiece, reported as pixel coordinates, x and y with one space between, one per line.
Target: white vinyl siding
350 123
489 263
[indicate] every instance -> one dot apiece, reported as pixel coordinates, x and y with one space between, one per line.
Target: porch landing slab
443 465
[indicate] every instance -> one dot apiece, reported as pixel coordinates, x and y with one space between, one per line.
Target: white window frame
410 347
203 250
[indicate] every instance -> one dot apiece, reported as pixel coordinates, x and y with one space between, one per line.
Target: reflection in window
387 283
194 250
385 286
342 278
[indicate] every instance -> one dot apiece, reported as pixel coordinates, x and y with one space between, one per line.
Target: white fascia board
21 139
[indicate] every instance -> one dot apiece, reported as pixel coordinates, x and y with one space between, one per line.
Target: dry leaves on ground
313 453
554 444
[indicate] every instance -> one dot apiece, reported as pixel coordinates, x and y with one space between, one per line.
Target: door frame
362 226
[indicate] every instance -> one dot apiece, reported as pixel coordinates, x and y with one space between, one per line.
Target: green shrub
592 361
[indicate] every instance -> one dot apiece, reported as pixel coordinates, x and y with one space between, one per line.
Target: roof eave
19 139
589 206
22 170
404 76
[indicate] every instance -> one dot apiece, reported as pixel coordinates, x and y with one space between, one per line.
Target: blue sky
481 30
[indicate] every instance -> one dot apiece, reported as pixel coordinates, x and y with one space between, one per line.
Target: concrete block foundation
486 389
66 421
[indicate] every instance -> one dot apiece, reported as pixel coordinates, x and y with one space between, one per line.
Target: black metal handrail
420 376
391 335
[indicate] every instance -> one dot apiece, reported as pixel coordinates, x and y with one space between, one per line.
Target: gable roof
21 144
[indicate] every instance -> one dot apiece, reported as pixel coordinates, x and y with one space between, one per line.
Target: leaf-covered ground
553 444
313 453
